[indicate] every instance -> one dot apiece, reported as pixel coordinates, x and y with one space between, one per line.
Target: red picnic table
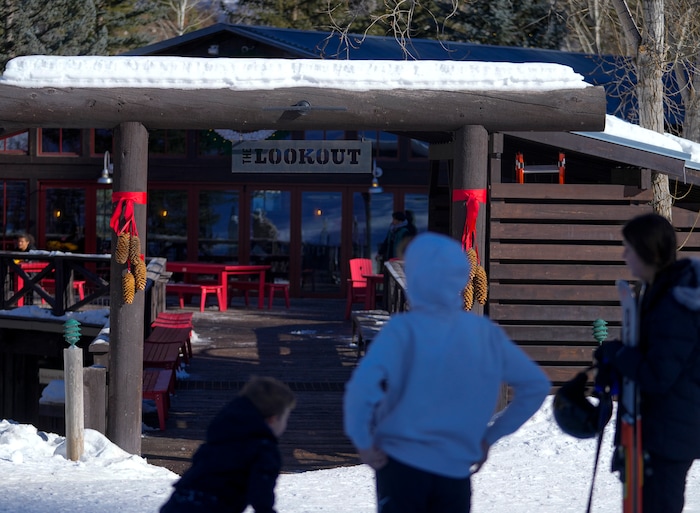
222 273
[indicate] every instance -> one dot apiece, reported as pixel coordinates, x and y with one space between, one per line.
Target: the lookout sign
302 157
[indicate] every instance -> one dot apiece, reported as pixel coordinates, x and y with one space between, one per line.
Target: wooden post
95 397
126 320
470 173
74 408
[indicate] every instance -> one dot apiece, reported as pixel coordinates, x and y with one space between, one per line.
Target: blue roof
608 71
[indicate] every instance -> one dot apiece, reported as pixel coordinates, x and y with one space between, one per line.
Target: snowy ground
536 469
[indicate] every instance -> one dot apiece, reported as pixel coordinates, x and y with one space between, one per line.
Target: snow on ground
536 469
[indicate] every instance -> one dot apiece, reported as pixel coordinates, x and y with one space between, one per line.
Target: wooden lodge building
552 250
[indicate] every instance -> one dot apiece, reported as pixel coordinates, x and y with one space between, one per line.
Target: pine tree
59 27
297 14
129 23
527 23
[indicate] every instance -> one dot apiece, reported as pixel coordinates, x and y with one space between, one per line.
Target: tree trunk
651 59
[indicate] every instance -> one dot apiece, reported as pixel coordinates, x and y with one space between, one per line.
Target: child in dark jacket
239 463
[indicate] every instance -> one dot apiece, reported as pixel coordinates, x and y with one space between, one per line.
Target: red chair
357 284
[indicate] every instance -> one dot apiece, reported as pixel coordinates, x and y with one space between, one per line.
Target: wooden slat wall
554 254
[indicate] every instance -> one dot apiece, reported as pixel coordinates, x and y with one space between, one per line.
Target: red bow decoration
472 197
125 204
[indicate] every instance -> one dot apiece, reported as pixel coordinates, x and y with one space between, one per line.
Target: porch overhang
182 93
676 164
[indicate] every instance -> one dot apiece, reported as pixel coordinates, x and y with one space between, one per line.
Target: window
417 206
384 144
218 226
167 224
321 220
211 143
102 140
103 231
13 209
167 142
65 219
17 143
371 222
324 135
60 141
270 225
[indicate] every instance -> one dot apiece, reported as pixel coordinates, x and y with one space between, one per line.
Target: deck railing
395 287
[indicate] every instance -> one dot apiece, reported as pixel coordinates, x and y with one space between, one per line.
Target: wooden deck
308 346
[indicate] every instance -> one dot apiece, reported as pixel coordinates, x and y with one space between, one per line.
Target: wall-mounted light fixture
377 171
107 170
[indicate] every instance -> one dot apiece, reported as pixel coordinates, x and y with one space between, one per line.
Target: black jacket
667 363
237 466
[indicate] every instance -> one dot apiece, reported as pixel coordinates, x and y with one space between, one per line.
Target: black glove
607 379
605 354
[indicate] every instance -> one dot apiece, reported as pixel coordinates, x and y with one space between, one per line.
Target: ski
629 449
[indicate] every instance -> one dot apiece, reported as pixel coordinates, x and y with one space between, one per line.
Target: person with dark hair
394 243
239 462
25 242
410 224
666 362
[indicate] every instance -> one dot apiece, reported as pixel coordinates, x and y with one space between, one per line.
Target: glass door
74 217
64 214
321 230
270 228
103 231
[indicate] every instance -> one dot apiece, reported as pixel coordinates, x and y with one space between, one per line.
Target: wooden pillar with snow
126 320
468 190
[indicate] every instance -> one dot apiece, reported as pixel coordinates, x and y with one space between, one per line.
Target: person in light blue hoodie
420 406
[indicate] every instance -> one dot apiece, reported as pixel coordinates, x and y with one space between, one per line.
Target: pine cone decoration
121 253
481 286
134 249
128 287
139 270
473 262
468 295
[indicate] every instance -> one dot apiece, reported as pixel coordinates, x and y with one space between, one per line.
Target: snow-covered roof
265 74
157 73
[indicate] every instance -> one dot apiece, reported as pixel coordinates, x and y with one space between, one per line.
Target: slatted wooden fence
554 254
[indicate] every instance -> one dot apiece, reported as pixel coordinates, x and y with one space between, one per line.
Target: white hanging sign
302 157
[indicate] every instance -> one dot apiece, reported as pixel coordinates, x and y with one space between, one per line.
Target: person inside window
24 242
395 240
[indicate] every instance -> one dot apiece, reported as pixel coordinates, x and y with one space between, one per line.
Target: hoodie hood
436 273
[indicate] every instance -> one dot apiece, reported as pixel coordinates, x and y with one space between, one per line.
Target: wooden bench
175 320
366 324
156 387
162 356
181 337
191 289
